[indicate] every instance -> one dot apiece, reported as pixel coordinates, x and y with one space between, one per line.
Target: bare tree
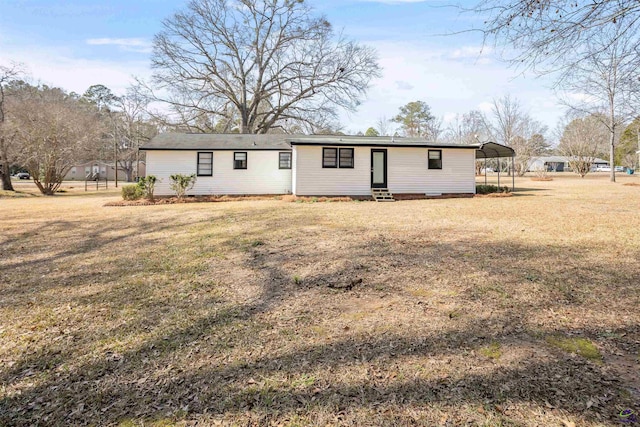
8 74
508 119
549 35
435 129
131 128
383 126
266 63
55 130
606 81
515 128
468 128
582 139
126 125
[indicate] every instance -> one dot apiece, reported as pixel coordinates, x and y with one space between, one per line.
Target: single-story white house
317 165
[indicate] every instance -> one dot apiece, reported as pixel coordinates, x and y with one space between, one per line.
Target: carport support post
485 171
498 173
513 175
115 162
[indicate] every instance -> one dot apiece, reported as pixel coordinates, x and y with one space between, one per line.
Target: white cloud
60 68
485 107
449 117
128 44
578 98
402 85
470 52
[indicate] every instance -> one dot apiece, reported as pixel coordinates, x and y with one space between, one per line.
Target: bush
182 183
147 185
131 192
487 189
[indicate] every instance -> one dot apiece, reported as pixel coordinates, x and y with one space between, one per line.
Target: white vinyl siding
294 170
407 172
262 176
314 180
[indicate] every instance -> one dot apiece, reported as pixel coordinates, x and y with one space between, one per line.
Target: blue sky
76 43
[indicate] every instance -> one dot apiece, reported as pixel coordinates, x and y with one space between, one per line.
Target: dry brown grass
426 312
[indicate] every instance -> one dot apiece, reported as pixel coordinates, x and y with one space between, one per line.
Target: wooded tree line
590 49
583 136
507 123
46 130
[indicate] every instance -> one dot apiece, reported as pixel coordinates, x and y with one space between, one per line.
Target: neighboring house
104 170
557 163
318 165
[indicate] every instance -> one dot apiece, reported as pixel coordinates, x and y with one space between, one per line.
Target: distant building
558 163
81 171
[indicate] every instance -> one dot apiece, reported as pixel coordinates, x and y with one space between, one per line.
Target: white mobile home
558 163
313 165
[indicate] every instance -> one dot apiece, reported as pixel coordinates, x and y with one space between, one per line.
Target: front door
378 168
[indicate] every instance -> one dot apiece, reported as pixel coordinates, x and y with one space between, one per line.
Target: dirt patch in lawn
225 198
189 199
441 312
491 195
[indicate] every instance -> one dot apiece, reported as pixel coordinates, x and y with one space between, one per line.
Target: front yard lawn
485 311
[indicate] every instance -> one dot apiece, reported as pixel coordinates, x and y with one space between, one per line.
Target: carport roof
491 150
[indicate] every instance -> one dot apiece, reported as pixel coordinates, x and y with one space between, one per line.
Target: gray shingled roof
381 141
191 141
208 141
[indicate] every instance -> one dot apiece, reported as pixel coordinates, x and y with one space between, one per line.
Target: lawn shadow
195 364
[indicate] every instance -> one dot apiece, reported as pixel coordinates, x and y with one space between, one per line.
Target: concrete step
382 195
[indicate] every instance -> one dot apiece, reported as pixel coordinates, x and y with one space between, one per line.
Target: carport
492 150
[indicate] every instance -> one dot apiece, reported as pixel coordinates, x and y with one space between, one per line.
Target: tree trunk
612 151
7 185
5 171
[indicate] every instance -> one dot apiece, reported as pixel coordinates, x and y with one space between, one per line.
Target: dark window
435 159
285 160
240 160
205 164
346 157
329 157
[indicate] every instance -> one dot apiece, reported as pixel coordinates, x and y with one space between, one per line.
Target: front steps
382 195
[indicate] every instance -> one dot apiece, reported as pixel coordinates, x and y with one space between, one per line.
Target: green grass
576 345
491 351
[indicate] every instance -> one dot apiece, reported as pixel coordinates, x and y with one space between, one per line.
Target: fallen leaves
421 313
